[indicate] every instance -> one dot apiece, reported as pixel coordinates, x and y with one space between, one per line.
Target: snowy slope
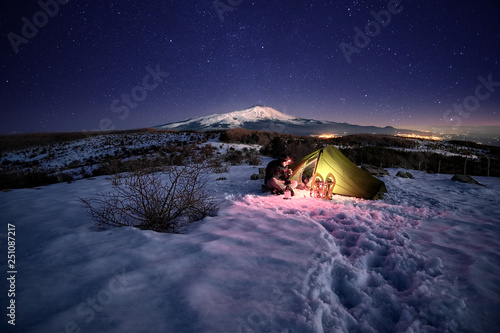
85 155
268 119
237 118
233 119
424 259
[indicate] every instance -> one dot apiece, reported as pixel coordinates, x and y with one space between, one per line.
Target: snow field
424 259
88 153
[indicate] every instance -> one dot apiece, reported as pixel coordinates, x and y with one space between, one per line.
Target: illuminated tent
328 167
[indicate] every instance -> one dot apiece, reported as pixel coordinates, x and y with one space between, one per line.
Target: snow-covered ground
426 258
87 154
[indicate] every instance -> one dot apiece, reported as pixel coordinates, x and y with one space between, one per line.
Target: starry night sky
131 64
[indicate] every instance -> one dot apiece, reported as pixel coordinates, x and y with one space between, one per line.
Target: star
283 55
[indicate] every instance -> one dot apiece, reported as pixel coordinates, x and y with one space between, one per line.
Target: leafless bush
163 201
234 157
252 157
23 179
217 164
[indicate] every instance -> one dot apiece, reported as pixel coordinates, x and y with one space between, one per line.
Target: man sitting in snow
277 174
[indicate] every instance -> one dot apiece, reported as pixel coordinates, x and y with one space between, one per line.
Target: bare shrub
110 166
252 157
234 157
206 152
164 201
24 179
275 148
217 164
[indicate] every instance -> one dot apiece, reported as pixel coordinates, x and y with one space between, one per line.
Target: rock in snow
374 171
465 179
404 174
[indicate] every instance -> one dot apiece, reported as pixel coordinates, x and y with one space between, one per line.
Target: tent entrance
327 171
306 171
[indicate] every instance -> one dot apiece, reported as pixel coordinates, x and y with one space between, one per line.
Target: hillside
264 118
423 259
40 159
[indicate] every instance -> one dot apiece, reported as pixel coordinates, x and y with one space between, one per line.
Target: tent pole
313 180
316 165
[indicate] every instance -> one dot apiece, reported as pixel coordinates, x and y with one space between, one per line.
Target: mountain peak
260 112
232 119
237 118
260 117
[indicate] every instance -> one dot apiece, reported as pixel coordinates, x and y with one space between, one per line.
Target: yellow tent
329 168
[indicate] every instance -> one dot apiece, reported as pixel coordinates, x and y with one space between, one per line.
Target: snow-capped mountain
264 118
233 119
239 118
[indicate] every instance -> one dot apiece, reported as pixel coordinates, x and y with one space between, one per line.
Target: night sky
131 64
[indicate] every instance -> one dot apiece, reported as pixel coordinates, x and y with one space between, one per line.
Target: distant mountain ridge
259 117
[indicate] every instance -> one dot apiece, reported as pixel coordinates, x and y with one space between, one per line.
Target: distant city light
326 136
416 136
